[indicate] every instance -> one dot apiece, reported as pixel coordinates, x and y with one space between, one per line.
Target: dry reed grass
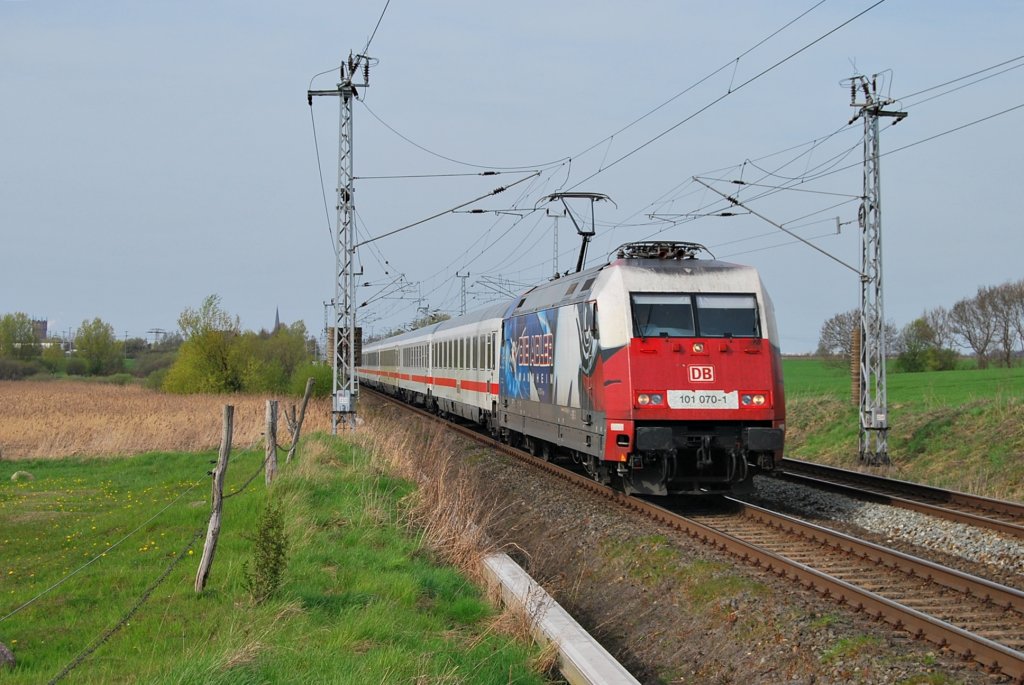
450 510
45 419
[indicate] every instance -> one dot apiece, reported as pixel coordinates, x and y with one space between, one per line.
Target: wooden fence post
295 424
213 530
271 435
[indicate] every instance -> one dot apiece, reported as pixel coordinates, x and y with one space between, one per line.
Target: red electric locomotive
657 371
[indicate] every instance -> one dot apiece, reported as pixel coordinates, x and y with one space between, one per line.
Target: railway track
997 515
971 616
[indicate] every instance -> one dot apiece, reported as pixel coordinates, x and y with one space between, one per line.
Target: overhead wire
810 174
320 170
497 190
730 92
734 61
567 161
457 161
967 76
366 50
609 138
966 85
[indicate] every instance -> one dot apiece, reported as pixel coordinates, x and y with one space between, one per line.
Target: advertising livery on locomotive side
658 371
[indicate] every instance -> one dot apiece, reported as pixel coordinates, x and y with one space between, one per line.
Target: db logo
702 374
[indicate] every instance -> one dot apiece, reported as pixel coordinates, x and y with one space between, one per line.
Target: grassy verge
364 598
957 429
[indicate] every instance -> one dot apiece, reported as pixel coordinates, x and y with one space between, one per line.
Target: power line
320 170
730 92
400 176
818 173
497 190
967 76
456 161
735 61
366 50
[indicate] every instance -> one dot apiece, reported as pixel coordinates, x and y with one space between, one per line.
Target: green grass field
362 602
960 429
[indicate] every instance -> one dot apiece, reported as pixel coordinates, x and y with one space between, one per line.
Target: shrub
155 380
15 370
269 555
148 362
54 359
76 366
929 359
322 375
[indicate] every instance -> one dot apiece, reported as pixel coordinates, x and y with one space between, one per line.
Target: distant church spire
277 319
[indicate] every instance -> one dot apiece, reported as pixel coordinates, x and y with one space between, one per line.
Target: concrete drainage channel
581 659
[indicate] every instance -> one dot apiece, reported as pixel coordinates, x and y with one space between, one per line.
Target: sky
154 153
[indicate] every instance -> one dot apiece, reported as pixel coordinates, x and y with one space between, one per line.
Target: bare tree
939 323
973 324
1017 289
1004 304
835 341
836 338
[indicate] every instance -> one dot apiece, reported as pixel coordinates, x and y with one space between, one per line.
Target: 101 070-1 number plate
703 399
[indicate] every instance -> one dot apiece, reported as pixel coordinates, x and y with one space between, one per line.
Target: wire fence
98 642
81 568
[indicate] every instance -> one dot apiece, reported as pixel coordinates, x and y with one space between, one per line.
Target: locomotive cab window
662 315
727 316
704 316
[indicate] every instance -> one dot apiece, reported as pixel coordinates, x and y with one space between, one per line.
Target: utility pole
345 387
874 414
328 304
463 277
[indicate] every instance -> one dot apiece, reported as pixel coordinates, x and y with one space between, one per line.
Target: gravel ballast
675 611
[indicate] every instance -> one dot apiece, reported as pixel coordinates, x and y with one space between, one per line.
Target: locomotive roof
573 288
492 311
577 287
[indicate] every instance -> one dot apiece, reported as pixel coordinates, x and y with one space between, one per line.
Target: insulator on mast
366 73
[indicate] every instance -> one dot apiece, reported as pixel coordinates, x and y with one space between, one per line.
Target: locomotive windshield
702 316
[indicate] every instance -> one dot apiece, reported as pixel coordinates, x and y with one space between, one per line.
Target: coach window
662 315
727 316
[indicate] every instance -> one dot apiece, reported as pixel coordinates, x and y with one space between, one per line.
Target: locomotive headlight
753 399
698 347
653 399
759 400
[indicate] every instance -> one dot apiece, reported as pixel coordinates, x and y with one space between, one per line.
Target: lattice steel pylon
345 389
874 414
